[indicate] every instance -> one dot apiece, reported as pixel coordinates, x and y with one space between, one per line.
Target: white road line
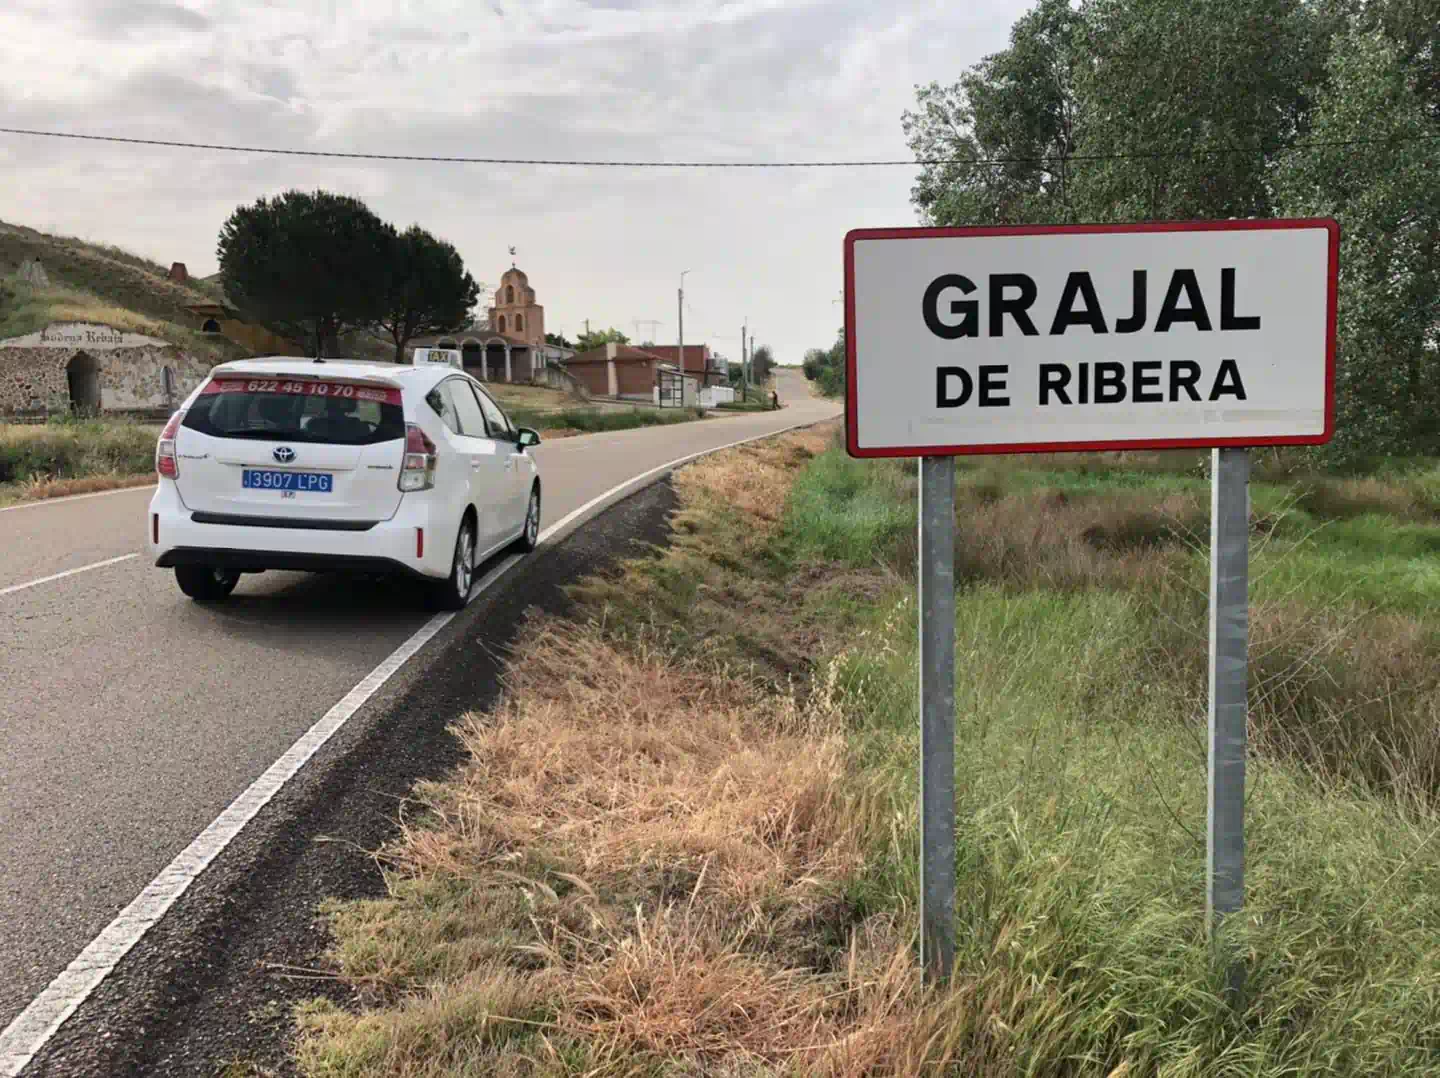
37 1023
40 503
68 572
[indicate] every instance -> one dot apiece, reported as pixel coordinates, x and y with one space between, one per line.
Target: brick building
707 369
618 370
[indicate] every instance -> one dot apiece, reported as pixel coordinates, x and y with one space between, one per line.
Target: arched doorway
82 377
471 354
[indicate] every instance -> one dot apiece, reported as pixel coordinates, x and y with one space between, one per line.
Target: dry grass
33 456
1056 541
672 851
717 590
651 856
530 398
43 489
642 866
1338 499
642 870
1351 695
751 481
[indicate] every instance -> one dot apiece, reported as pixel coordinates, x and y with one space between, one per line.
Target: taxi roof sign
450 357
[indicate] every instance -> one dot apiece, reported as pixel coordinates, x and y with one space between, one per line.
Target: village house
624 372
621 371
87 368
699 363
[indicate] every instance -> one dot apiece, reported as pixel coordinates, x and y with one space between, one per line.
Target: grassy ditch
595 420
684 842
60 458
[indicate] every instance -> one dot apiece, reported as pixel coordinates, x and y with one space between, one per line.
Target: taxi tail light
418 470
167 465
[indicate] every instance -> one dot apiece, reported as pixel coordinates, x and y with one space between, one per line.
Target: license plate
273 479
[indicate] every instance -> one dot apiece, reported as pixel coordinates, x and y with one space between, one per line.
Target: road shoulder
213 981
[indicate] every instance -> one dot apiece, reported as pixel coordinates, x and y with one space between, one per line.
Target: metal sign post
1214 335
1229 639
937 717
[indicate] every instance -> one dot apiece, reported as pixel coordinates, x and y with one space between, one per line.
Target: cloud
733 80
121 17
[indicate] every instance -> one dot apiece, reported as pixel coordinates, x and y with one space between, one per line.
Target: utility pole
750 364
682 335
744 369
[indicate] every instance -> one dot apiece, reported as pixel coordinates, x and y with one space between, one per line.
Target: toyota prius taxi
341 465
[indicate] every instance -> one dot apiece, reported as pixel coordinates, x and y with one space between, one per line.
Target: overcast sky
612 79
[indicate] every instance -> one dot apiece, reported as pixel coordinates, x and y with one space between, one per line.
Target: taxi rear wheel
206 583
453 593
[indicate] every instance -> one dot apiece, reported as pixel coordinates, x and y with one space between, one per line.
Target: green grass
1081 778
75 450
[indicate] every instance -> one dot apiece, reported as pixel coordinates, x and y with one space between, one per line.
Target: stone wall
129 368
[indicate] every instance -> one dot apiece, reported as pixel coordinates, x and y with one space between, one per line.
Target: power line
578 163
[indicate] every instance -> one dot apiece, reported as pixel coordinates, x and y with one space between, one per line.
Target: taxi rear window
337 413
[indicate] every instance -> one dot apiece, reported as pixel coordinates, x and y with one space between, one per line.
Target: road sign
449 357
1079 338
1086 337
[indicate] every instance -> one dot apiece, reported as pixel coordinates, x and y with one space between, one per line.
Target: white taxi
341 465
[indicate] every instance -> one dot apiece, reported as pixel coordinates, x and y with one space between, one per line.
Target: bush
599 422
74 449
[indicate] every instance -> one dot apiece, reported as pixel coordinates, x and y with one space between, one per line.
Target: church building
510 345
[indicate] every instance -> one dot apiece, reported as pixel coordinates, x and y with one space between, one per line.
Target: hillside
90 282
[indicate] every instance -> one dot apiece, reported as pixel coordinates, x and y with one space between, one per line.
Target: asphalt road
130 717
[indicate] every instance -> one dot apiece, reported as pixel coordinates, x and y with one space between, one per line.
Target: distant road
130 717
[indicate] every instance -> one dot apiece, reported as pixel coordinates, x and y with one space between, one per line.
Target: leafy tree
429 290
1019 104
762 363
1157 109
1121 77
558 340
1199 94
826 367
1387 200
310 265
599 338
